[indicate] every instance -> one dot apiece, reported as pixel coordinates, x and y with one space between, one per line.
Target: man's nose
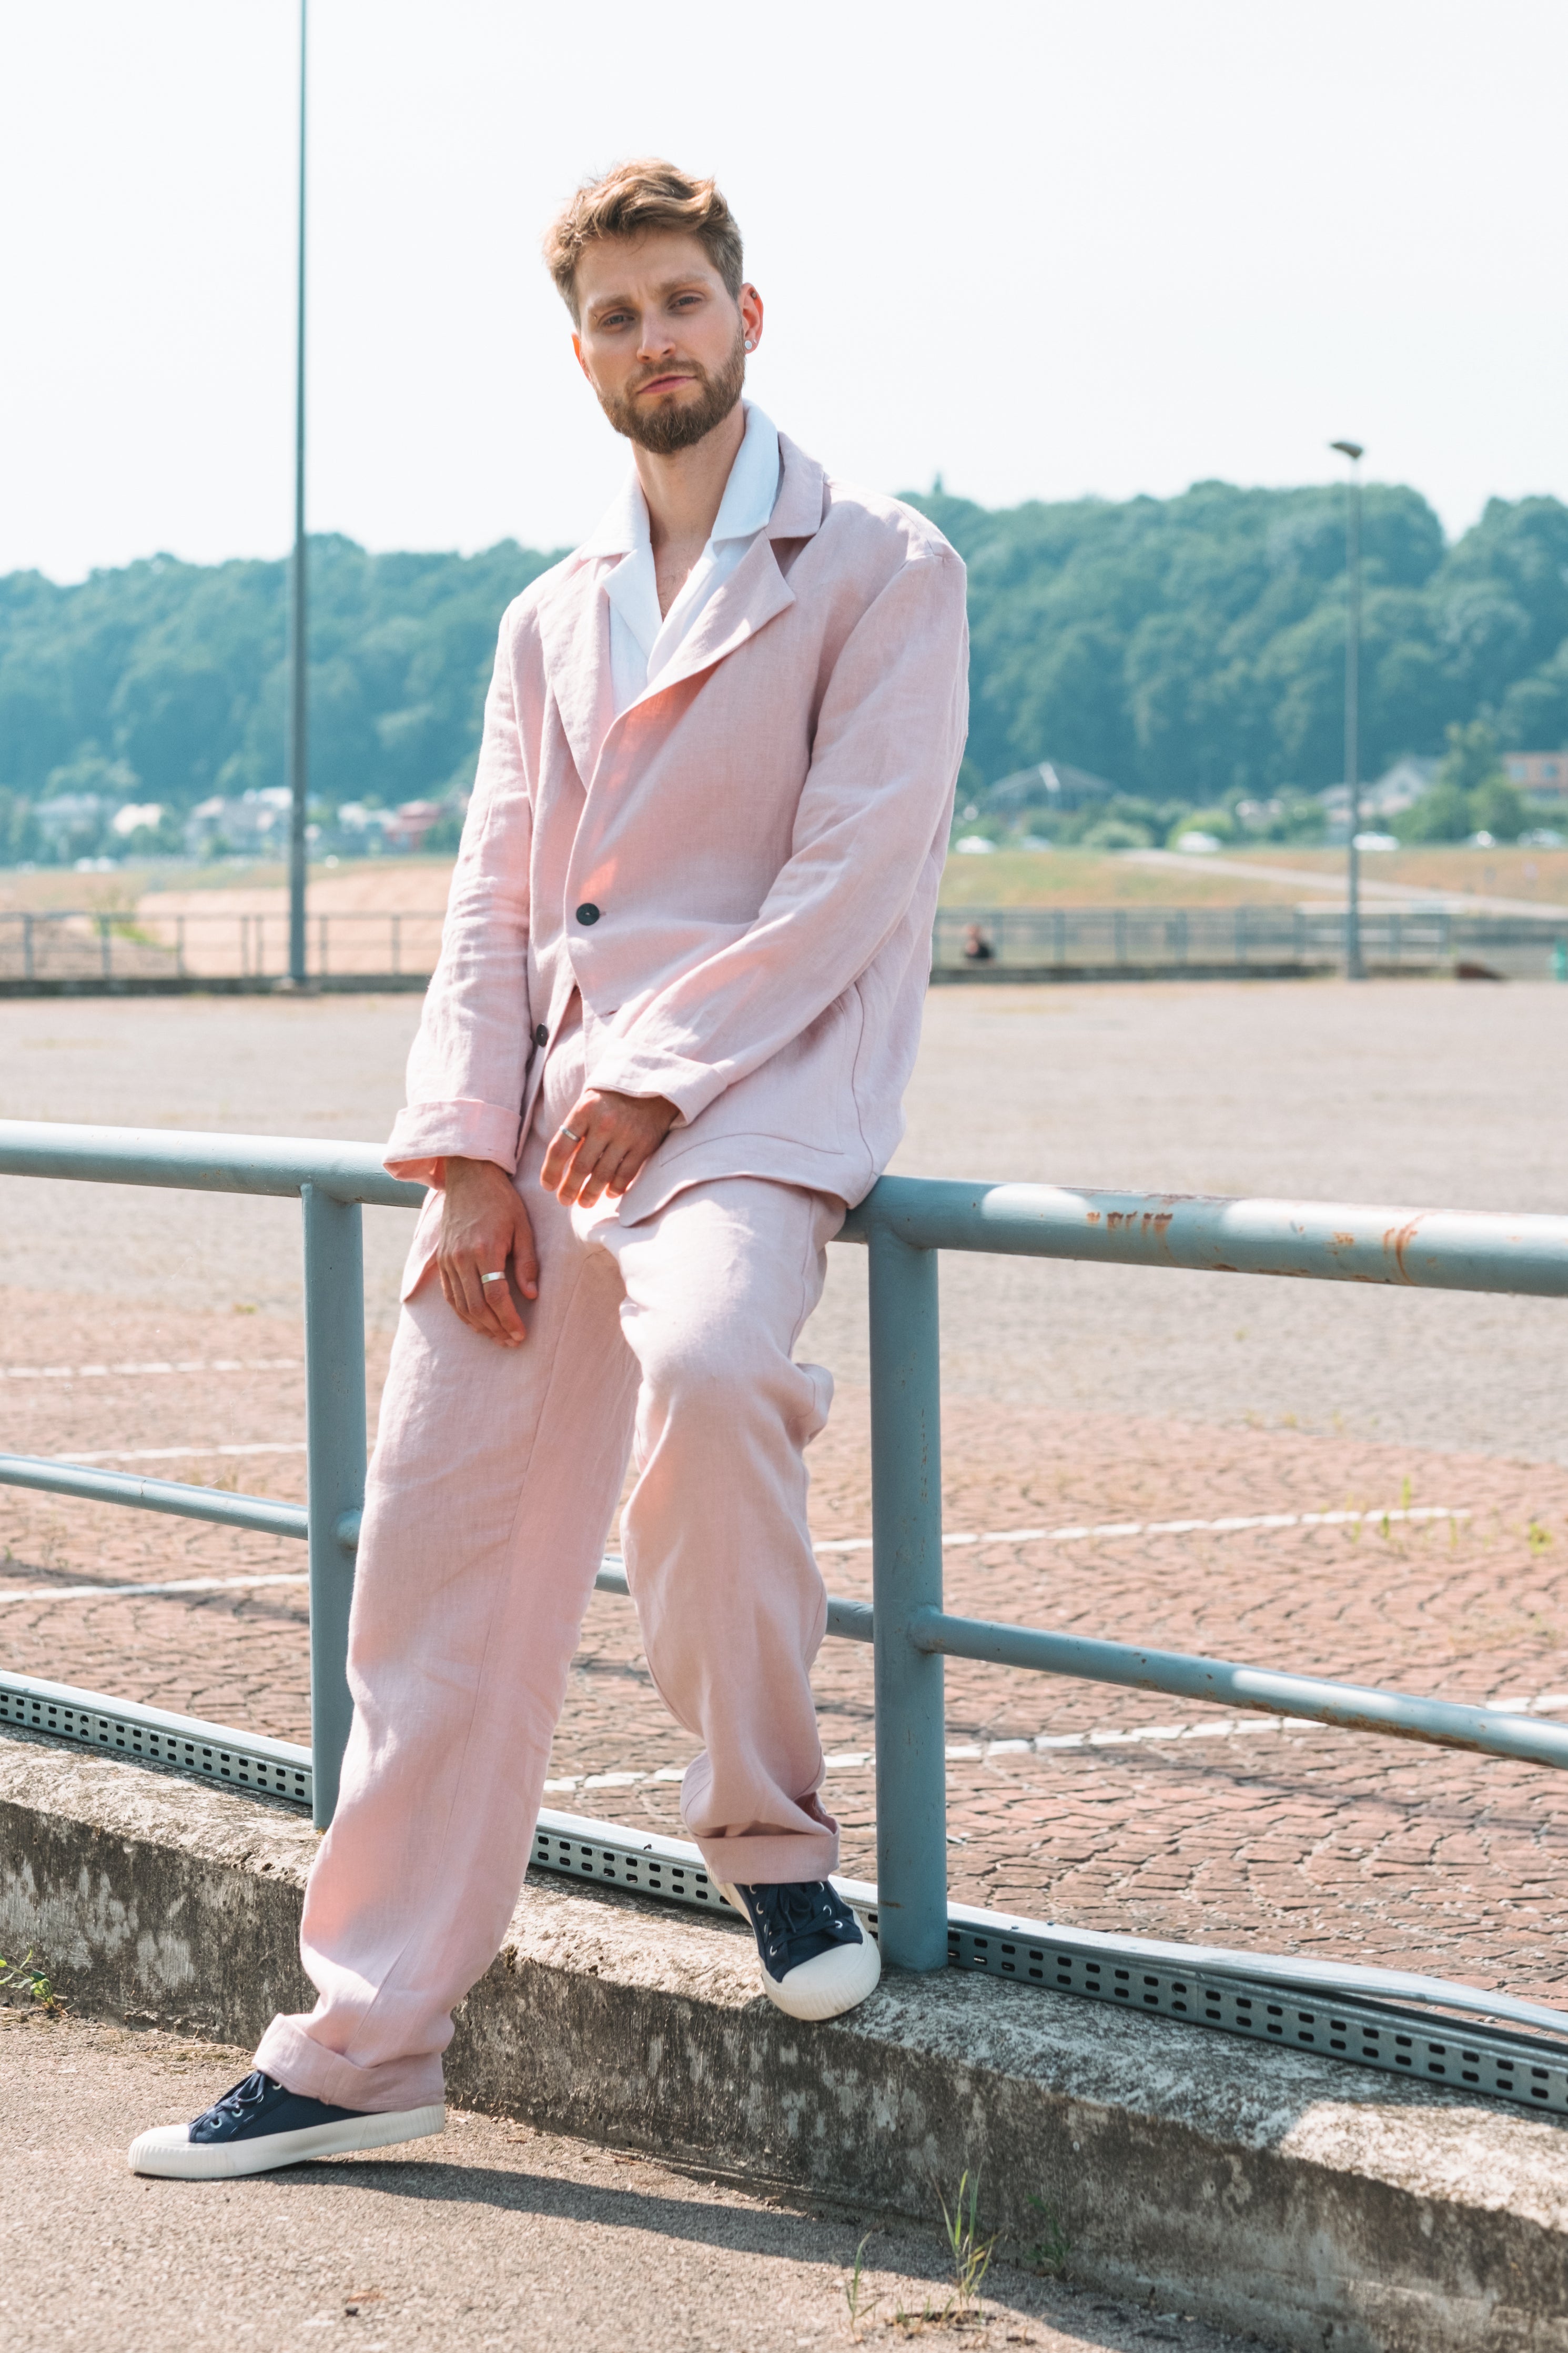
655 338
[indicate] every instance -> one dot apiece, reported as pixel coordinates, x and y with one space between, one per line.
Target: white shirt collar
749 496
632 587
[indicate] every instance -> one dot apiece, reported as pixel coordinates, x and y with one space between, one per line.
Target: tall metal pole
906 1578
298 672
1355 969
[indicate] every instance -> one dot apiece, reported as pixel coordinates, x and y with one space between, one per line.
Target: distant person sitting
977 948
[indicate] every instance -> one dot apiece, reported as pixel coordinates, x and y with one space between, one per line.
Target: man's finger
483 1312
503 1311
627 1171
524 1258
565 1144
607 1175
594 1143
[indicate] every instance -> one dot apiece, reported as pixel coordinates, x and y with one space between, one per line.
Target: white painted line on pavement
180 1585
961 1752
1391 1514
178 1453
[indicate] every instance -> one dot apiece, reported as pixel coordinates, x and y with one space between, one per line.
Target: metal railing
1261 939
903 1224
195 949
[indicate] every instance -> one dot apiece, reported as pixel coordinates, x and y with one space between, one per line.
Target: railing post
906 1578
335 1430
27 947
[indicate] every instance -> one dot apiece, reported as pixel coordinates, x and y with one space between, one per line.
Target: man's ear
578 347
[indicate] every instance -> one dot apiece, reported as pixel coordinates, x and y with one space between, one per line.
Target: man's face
663 342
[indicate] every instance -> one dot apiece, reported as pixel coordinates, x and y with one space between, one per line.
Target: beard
678 425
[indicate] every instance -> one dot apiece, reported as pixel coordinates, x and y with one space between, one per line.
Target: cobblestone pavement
1138 1814
1167 1820
494 2234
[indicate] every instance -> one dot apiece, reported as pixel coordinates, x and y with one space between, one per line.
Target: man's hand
484 1224
605 1142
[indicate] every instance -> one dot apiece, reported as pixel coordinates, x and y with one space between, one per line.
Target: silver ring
493 1278
573 1133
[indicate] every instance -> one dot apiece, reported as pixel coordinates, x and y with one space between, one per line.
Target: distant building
132 815
411 821
257 821
1543 775
1390 795
67 813
1051 784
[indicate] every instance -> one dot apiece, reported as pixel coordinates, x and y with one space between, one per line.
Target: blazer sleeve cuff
628 1070
426 1133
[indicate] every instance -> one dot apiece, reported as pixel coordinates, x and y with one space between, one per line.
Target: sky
1042 250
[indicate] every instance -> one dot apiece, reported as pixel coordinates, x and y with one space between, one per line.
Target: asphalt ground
1076 1399
493 2235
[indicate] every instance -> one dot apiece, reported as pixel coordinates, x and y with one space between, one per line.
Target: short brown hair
646 194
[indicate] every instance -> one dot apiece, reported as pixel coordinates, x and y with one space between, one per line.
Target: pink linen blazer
738 873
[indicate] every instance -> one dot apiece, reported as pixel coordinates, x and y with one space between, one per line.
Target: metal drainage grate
1522 2068
1528 2071
210 1752
613 1857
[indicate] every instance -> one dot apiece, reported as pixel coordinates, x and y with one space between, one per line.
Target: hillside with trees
1193 648
1188 649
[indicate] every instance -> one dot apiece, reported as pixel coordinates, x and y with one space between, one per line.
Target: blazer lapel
574 637
757 592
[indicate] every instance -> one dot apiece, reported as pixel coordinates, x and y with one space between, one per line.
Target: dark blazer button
542 1036
587 912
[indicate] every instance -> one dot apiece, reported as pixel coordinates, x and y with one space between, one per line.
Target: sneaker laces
801 1913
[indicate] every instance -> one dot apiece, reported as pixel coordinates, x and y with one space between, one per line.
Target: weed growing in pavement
1537 1538
971 2253
1405 1492
859 2311
23 1976
1049 2254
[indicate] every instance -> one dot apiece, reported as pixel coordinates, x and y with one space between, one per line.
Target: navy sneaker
817 1962
258 2125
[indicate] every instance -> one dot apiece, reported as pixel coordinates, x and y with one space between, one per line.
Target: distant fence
178 951
87 950
1048 941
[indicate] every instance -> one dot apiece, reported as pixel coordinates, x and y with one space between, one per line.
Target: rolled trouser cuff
771 1861
287 2052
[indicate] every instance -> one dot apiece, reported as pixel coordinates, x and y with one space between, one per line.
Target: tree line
1190 649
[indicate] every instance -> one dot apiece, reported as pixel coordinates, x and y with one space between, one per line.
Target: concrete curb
1307 2201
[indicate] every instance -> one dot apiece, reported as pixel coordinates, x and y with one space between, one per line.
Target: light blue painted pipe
1430 1250
259 1512
1220 1683
202 1163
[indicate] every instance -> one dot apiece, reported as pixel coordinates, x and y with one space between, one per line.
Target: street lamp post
299 673
1355 968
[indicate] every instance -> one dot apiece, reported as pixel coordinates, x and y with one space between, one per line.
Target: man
678 1001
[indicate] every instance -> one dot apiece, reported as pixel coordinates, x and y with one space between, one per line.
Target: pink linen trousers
722 895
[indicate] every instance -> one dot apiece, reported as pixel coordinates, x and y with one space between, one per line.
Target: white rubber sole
826 1987
168 2151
